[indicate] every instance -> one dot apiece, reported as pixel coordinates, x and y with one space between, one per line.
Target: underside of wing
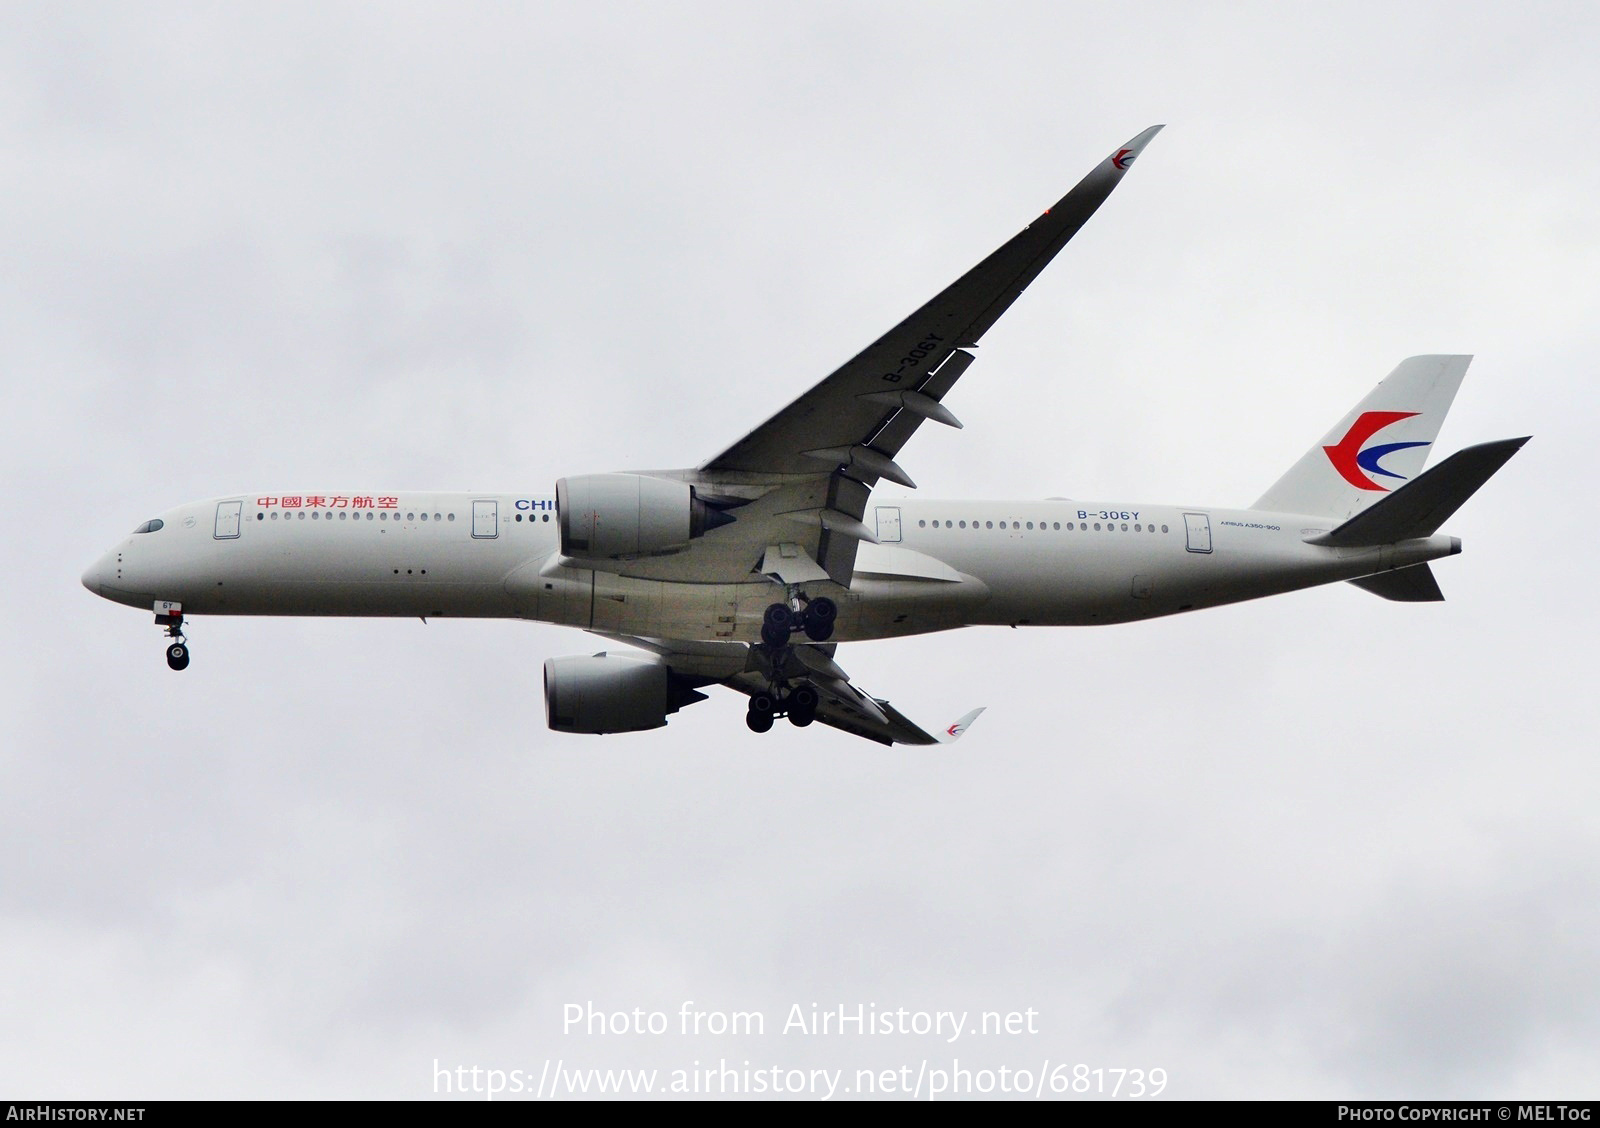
839 703
842 706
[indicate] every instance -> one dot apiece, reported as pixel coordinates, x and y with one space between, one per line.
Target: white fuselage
939 565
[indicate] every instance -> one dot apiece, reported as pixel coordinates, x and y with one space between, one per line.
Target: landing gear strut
178 652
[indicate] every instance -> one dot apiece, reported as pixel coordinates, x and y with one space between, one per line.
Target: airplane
748 570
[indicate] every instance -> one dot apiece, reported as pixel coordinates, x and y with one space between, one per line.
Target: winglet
953 733
1125 156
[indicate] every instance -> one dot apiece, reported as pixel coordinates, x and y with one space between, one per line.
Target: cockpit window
150 526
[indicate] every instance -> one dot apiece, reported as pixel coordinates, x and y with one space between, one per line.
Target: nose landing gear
170 616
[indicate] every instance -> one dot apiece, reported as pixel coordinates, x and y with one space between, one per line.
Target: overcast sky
1321 845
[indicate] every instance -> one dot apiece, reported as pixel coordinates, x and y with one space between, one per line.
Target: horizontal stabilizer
1419 507
1404 585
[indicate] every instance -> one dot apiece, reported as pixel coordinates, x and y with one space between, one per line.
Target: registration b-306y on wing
749 570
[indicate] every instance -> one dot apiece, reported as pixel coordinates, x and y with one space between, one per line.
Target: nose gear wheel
178 652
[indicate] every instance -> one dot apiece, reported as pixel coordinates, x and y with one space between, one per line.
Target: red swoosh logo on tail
1343 454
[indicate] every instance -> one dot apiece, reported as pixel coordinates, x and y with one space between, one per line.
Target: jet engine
602 693
612 516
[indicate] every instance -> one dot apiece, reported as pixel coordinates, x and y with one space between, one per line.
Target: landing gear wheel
178 656
777 623
758 722
778 615
762 706
802 706
819 617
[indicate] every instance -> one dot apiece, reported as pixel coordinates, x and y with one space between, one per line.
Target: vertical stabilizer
1380 445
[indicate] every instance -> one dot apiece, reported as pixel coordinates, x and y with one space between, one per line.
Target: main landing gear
178 652
814 618
798 704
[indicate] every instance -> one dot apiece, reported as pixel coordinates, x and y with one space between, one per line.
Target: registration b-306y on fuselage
750 569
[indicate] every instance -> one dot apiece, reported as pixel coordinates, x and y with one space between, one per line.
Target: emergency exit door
1198 526
485 519
227 526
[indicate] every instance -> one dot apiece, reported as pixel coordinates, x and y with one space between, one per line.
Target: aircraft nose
95 575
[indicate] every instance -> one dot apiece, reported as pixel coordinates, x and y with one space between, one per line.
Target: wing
861 415
804 476
841 706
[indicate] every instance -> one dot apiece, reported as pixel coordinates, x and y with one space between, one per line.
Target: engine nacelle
613 516
599 693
